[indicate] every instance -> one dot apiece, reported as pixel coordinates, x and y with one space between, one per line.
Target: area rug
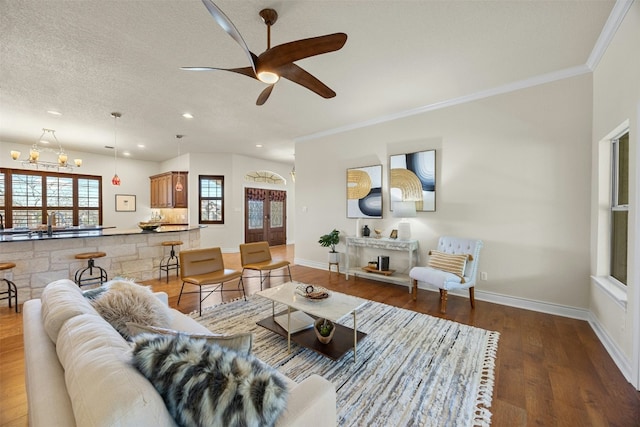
411 370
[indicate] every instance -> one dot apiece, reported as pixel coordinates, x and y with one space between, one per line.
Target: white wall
229 235
513 170
133 173
135 180
616 93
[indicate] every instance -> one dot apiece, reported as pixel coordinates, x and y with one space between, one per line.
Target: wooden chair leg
443 301
414 290
472 297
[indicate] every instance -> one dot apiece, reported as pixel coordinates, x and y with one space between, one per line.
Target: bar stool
12 291
172 262
92 279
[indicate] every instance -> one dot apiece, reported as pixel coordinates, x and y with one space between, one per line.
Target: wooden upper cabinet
163 190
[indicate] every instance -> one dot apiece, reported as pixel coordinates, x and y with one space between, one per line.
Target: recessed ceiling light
187 116
140 145
258 145
54 113
126 153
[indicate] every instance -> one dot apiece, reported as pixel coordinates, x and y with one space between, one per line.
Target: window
211 199
619 207
27 197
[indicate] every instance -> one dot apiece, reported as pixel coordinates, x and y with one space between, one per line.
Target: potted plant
330 241
324 329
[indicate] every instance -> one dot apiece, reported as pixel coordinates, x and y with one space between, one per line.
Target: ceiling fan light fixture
268 77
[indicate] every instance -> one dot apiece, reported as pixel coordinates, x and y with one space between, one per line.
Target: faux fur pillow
238 342
125 301
204 384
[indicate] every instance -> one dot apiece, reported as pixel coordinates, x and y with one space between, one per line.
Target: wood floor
550 370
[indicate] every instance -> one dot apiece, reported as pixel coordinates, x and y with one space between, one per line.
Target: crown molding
609 30
499 90
614 20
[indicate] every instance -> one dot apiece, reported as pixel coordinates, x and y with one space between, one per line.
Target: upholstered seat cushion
105 389
240 343
62 300
439 278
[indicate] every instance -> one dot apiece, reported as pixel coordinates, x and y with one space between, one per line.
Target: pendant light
116 179
179 186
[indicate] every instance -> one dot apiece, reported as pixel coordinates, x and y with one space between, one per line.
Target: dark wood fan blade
303 78
246 71
230 29
264 95
290 52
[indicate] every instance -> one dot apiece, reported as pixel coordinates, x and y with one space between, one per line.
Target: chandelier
34 154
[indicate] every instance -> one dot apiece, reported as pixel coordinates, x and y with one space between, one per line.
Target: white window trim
617 291
613 288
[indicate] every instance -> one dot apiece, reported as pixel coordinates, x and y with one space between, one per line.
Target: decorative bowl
316 329
148 226
313 292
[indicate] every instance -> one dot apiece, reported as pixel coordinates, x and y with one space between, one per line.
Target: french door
265 216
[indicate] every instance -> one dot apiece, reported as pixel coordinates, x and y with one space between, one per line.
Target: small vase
316 326
365 231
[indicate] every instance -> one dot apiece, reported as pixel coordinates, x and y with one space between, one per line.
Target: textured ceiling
87 58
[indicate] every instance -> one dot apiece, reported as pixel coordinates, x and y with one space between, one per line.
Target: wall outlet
484 275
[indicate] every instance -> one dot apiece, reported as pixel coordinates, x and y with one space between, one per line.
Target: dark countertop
22 235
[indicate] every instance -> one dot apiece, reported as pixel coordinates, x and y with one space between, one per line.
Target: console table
354 243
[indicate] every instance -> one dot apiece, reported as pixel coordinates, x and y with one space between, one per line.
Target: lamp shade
404 209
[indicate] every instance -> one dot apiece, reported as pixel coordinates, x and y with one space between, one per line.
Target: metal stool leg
91 280
12 293
170 263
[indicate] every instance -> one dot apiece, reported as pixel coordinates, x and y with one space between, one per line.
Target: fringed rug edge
484 396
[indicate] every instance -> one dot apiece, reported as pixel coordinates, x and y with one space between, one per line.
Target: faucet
50 222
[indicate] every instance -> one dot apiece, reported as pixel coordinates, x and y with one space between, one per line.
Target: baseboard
621 361
609 344
540 306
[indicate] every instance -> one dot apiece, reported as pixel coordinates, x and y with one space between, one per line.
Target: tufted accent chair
447 281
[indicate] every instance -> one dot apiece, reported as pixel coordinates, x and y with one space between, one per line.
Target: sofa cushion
205 384
103 386
238 342
62 300
125 301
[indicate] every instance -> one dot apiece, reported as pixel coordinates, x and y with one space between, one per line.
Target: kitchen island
41 258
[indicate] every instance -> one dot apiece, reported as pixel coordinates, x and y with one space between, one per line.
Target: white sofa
78 370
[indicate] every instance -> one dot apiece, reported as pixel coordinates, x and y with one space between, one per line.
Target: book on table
299 321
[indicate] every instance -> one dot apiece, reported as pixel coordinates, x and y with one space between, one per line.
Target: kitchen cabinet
163 190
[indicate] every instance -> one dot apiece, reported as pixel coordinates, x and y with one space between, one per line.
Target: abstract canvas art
364 192
413 178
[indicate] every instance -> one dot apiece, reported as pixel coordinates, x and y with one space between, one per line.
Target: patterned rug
412 369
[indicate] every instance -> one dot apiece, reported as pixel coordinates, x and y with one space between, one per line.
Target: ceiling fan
277 61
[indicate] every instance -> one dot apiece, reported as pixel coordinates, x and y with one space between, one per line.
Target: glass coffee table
332 308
